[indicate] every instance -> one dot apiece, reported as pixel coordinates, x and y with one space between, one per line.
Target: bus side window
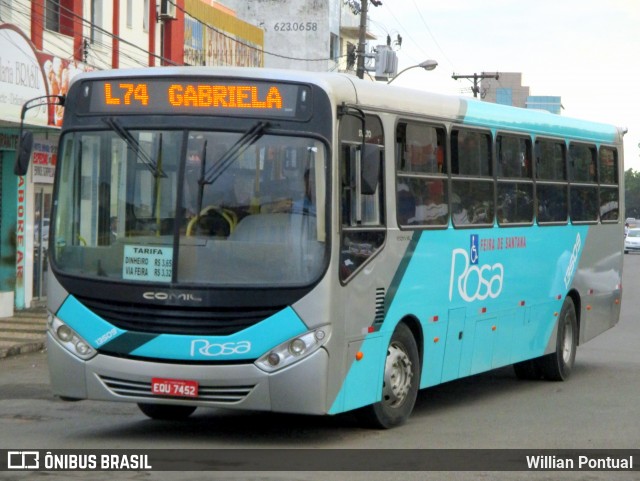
608 171
472 187
470 153
421 188
515 181
583 190
551 181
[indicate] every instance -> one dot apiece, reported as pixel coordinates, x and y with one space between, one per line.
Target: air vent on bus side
380 306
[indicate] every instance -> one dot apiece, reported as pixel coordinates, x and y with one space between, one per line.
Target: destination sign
195 96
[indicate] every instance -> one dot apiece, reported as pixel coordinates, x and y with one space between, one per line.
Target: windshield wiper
237 149
201 183
134 145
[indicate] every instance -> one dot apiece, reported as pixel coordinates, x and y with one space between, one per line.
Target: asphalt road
598 408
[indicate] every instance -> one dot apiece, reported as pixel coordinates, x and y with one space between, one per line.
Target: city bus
314 243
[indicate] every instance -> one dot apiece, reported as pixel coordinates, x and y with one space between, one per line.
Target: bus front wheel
400 383
557 365
166 412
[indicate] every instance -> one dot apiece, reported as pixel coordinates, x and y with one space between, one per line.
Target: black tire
557 366
400 384
166 412
528 370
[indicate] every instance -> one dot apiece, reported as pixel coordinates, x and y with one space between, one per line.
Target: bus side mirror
25 146
370 169
24 153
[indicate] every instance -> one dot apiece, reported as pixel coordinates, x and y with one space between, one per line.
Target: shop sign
21 77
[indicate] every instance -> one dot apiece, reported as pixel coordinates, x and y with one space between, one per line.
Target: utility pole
476 77
363 35
361 39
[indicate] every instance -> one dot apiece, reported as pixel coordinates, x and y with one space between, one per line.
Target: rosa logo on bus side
475 281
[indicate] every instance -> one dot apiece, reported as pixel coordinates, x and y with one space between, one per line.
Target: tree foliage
632 193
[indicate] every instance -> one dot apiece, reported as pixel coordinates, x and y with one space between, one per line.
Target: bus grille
179 320
217 394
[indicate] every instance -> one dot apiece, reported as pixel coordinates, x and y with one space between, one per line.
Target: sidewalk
24 332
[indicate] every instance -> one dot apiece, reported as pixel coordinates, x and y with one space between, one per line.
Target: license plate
174 387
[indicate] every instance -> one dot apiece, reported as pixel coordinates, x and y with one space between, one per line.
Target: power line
406 32
431 34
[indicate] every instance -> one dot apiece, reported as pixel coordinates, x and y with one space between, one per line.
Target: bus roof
382 97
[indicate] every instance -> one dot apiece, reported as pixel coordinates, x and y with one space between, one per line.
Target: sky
585 51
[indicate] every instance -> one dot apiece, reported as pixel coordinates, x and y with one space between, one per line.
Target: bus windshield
194 207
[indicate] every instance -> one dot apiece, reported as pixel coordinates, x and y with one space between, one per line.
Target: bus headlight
294 349
69 339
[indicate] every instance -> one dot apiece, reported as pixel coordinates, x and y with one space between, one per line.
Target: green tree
632 193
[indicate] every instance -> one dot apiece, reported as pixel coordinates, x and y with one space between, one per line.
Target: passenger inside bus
406 204
431 208
460 214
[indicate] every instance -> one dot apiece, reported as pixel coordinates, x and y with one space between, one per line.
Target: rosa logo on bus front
133 96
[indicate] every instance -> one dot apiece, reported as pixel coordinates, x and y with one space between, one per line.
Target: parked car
632 241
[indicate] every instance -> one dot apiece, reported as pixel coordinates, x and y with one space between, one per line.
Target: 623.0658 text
295 26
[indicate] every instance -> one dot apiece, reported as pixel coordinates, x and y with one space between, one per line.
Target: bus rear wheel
166 412
557 366
400 383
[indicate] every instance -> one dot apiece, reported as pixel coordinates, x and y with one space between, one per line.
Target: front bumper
300 388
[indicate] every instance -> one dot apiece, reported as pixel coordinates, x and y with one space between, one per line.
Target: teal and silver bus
314 243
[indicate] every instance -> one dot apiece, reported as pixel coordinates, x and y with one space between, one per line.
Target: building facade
508 90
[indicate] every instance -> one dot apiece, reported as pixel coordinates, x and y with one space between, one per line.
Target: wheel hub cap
397 376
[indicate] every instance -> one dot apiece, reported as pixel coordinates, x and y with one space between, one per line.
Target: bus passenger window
608 166
608 169
421 189
582 159
422 201
552 202
470 153
515 203
583 192
550 160
514 157
584 203
515 196
472 202
421 148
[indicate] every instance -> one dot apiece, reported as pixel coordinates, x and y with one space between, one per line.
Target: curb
23 333
25 348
